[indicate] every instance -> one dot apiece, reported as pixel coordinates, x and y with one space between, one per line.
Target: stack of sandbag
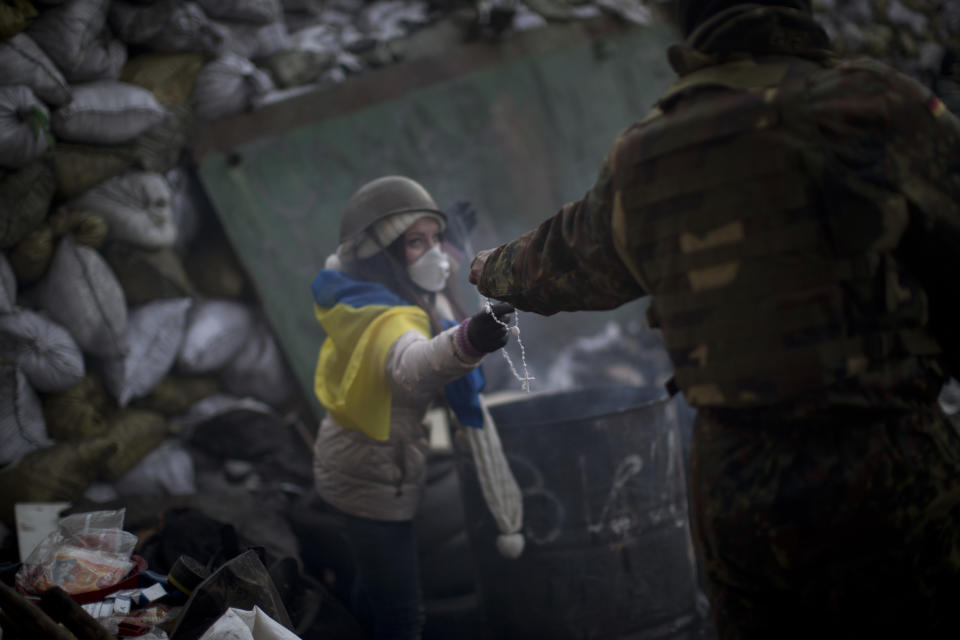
914 36
104 336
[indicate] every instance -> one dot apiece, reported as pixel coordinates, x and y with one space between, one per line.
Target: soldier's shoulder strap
742 74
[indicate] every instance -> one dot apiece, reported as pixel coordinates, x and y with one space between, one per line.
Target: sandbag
79 168
106 112
102 60
77 413
216 330
31 257
227 86
167 470
22 428
23 62
86 227
160 147
188 204
298 67
255 41
135 206
46 353
166 26
24 126
213 267
80 292
147 275
65 32
259 370
15 16
60 473
154 334
168 76
136 433
175 395
8 285
25 196
219 405
256 11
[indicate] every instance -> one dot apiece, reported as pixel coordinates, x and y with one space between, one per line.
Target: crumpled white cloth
239 624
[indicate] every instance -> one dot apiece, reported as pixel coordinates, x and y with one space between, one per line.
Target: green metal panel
517 129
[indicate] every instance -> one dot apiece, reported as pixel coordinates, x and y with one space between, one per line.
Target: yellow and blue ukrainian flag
362 320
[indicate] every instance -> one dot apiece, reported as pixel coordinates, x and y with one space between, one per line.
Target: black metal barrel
608 552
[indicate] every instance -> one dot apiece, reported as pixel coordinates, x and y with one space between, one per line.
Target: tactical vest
771 268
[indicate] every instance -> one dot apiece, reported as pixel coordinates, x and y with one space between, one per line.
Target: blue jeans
386 593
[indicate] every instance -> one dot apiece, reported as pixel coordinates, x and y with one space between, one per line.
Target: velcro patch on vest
727 234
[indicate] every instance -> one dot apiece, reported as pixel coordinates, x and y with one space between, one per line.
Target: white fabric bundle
258 370
103 60
81 293
66 32
227 86
499 487
216 331
22 428
107 112
238 624
256 11
23 62
154 334
136 206
23 126
8 285
46 353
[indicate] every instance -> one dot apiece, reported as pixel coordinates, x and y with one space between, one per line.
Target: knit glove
485 334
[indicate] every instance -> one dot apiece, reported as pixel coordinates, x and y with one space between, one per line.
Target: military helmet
692 13
384 197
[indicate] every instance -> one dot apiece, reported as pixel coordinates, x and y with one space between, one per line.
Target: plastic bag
87 552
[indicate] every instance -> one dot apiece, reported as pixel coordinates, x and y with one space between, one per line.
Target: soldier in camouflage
796 221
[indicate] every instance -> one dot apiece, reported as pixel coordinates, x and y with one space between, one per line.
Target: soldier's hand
476 267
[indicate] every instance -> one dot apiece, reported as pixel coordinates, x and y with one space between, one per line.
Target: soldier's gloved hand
485 334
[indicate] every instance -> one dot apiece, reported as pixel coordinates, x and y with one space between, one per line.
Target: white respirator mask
431 270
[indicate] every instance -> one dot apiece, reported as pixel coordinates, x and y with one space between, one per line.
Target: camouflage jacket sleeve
568 263
923 153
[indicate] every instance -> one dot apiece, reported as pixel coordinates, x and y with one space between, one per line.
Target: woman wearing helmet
393 348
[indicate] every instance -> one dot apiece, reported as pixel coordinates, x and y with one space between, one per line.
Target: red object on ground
130 582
